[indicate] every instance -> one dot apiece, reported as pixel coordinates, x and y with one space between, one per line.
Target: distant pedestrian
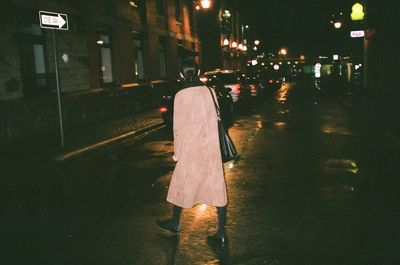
198 177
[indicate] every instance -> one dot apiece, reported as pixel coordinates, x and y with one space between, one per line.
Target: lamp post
205 4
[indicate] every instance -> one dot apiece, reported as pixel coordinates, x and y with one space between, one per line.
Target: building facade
112 50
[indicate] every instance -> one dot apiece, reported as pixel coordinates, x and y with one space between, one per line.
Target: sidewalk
104 134
42 152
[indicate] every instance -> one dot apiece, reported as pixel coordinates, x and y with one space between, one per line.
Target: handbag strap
215 104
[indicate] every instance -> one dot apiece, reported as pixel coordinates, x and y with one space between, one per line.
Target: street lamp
337 24
283 51
357 12
205 4
226 42
256 42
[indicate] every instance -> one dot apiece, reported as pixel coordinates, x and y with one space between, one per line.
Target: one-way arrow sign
52 20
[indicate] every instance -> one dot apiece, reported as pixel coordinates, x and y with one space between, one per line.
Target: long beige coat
198 177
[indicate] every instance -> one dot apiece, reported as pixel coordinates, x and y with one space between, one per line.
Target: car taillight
237 87
163 109
270 81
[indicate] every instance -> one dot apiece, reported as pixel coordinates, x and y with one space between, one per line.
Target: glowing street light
256 42
234 45
283 51
226 42
337 25
205 4
357 12
240 46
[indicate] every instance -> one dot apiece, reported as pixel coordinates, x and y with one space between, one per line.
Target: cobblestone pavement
315 184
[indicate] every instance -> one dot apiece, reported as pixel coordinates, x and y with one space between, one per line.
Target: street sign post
55 21
52 20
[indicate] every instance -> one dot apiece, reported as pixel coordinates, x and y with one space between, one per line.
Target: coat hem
197 203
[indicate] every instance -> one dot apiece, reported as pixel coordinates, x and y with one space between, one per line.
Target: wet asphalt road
317 183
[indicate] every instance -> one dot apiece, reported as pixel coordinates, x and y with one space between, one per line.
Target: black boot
221 223
220 236
172 225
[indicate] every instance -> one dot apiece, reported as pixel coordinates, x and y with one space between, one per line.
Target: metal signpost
57 21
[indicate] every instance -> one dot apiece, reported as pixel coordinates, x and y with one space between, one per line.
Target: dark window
139 65
178 10
160 5
35 54
163 57
105 54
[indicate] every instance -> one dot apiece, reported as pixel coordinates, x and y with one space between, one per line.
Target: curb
145 131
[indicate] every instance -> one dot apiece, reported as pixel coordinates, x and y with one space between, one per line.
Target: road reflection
281 96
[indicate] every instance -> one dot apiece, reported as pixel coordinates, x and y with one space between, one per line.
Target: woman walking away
198 177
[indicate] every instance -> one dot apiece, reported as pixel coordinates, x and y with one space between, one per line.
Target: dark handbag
228 150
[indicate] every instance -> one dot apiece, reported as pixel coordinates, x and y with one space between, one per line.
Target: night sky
303 27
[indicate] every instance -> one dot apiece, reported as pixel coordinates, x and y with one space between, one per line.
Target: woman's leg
176 215
173 224
221 211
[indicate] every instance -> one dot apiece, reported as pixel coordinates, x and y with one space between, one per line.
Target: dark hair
190 70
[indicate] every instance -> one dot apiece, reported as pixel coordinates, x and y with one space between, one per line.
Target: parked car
224 99
232 79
